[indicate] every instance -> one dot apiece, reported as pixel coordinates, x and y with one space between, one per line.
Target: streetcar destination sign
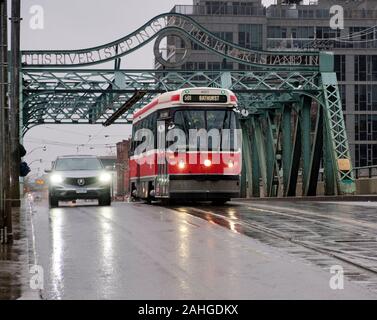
208 98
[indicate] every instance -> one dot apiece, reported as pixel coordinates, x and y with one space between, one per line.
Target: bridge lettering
189 29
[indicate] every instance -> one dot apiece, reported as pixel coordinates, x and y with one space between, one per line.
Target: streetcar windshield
208 120
205 119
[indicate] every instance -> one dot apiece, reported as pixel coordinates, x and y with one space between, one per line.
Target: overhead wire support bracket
138 95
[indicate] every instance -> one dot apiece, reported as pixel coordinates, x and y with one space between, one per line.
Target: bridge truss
294 123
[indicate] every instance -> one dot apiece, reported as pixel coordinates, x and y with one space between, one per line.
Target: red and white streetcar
186 145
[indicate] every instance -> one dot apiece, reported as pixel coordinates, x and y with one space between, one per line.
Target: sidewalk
15 258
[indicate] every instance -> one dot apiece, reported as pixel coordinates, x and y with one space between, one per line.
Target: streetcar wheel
165 202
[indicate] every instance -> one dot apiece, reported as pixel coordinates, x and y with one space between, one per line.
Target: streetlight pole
40 160
15 101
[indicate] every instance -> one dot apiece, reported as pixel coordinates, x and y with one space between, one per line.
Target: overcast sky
74 24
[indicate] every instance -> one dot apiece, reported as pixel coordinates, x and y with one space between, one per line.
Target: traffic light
24 168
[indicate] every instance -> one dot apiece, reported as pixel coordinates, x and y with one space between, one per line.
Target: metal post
255 167
260 145
305 140
295 159
5 204
246 155
287 145
3 70
328 167
316 155
270 155
243 193
15 101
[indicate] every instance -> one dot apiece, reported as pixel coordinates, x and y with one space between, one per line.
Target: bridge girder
91 96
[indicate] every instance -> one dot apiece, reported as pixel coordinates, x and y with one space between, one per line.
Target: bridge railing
365 172
360 172
300 44
308 12
212 10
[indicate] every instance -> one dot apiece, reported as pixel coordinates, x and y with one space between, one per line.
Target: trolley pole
5 194
15 101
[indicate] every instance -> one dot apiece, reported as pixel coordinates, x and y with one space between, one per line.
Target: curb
358 198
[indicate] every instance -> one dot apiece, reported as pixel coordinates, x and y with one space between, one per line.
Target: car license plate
81 190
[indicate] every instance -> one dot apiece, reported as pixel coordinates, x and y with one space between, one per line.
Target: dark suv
79 177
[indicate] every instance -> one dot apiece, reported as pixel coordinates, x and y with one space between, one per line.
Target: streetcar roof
173 98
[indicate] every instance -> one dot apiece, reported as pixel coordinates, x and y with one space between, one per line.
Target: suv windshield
69 164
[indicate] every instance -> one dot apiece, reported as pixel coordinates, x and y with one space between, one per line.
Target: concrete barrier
364 186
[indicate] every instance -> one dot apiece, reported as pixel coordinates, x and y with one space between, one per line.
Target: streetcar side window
154 128
150 123
135 127
179 121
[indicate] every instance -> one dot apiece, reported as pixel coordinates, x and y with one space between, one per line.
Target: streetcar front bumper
204 187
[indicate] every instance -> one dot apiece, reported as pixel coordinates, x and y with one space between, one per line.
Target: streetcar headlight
56 178
230 164
105 177
207 163
181 164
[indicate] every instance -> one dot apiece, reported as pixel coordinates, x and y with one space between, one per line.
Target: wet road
138 251
324 233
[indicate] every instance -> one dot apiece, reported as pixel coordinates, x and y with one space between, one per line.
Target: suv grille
74 181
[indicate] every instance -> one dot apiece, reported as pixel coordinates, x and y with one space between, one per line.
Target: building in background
122 168
304 25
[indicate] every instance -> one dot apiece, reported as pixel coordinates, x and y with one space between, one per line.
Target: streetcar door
162 184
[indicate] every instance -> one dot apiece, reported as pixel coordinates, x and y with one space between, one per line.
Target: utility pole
5 195
3 70
15 101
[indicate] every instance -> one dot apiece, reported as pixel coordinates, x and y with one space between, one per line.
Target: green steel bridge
292 121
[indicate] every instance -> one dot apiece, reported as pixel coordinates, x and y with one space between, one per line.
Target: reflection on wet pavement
12 261
322 233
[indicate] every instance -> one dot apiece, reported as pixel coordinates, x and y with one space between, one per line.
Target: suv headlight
105 177
56 178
